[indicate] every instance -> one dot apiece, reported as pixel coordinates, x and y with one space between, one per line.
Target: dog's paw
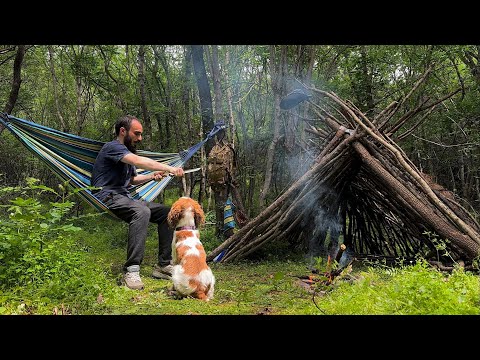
174 294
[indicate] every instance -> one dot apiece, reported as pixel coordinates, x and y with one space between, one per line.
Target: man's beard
127 141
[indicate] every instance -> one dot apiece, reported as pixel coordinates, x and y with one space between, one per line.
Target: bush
39 257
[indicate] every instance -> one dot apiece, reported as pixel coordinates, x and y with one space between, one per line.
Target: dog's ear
174 215
199 214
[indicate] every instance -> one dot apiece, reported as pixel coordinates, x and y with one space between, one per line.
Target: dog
191 276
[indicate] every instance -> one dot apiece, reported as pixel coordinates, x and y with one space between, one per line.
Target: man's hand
176 171
158 175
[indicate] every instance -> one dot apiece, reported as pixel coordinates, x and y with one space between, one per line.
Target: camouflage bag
220 165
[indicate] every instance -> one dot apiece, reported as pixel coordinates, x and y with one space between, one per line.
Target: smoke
326 234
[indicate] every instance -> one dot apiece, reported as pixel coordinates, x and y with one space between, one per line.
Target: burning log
362 181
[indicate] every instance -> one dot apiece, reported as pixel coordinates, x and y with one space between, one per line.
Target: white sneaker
133 281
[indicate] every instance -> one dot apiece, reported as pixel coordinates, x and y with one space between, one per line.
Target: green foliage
39 258
415 289
29 234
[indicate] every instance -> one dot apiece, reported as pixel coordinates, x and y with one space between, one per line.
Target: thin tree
207 121
16 81
277 70
143 97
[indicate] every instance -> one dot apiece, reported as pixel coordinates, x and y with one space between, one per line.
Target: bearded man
113 172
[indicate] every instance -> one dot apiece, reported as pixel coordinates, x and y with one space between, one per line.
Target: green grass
84 269
246 287
407 290
267 285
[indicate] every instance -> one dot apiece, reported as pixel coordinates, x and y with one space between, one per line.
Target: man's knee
142 212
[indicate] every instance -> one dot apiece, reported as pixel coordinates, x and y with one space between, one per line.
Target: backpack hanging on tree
220 164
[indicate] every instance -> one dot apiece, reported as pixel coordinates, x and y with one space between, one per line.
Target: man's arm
142 162
140 179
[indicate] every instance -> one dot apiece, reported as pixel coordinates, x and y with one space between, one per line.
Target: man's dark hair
125 122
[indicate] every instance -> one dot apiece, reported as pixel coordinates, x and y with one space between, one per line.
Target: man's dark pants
138 214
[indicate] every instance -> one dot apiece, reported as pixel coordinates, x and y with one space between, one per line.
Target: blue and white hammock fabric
228 223
228 215
71 157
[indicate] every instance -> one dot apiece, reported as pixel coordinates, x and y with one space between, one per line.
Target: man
114 171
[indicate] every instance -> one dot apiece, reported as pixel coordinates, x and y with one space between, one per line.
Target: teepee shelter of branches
362 184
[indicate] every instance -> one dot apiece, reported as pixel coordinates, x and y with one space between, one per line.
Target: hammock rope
71 157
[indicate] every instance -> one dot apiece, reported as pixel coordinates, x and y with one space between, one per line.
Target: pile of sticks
363 186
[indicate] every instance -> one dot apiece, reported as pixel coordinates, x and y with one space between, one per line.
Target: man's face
133 136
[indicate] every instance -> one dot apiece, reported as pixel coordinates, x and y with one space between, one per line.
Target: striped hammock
71 157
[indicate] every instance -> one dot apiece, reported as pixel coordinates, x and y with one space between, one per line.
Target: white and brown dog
191 275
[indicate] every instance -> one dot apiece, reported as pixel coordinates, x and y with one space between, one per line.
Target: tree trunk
231 122
58 106
16 81
217 86
143 98
203 92
207 122
276 70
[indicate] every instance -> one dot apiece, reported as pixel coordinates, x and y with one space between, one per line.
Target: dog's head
185 206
